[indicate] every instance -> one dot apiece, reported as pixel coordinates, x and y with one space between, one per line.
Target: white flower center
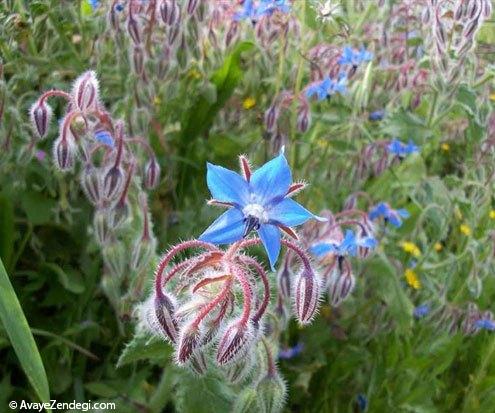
256 211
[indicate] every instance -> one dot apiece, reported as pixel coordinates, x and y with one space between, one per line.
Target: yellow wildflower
412 279
492 214
492 96
438 247
465 229
445 147
411 248
157 101
249 103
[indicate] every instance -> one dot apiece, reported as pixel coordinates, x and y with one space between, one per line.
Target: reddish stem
246 260
51 93
240 275
212 304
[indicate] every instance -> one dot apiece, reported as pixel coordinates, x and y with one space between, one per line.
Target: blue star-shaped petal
400 149
258 201
105 138
348 246
485 324
388 214
354 57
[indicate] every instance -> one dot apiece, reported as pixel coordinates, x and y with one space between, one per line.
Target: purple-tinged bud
235 342
113 18
134 30
459 11
271 117
303 119
119 214
237 371
306 295
192 5
64 154
151 173
283 281
231 33
138 60
143 250
415 101
164 307
113 183
472 9
173 33
487 8
189 341
425 18
40 114
170 12
91 184
197 363
271 392
101 227
350 202
340 286
86 91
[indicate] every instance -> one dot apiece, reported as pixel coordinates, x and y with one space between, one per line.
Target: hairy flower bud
271 117
64 153
306 295
238 370
134 30
100 225
235 342
115 258
151 173
231 33
192 5
340 286
142 252
91 183
119 214
303 118
350 202
85 91
189 340
284 281
165 305
138 60
197 363
113 182
173 33
271 392
246 401
170 12
40 114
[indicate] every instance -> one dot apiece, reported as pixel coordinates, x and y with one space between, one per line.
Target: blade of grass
20 336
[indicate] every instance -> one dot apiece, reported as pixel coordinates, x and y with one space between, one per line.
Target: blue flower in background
348 246
401 149
94 4
105 138
362 402
421 311
327 87
383 210
258 202
253 11
485 324
377 115
291 352
354 57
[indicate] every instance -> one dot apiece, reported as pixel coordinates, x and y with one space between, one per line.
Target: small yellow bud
411 248
465 229
492 214
412 279
445 147
249 103
438 247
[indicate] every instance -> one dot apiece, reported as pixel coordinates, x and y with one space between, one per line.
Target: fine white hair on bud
235 342
85 92
306 295
40 115
189 341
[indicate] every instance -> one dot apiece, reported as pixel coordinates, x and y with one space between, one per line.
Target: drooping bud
350 202
142 252
235 342
85 91
119 214
284 280
100 225
303 118
189 340
165 314
138 60
192 6
340 285
173 33
237 371
231 33
271 117
246 401
113 182
271 392
91 183
64 154
170 12
151 173
40 114
134 30
197 363
114 256
306 295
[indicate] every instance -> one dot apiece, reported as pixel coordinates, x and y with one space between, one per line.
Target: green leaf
22 340
144 347
86 9
214 95
101 389
6 229
38 208
70 279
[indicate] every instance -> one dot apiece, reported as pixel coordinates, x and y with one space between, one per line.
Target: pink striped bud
170 12
173 33
231 33
164 307
192 5
40 114
113 18
151 173
271 117
487 8
340 286
235 342
197 363
303 118
85 91
113 183
134 30
306 295
237 371
350 202
64 154
91 184
189 341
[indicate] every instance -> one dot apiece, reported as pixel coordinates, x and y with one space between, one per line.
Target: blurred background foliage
369 354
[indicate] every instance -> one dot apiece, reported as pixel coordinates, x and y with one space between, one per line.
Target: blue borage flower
348 246
401 149
291 352
257 201
253 11
383 210
94 4
362 402
377 115
354 57
421 311
105 138
485 324
327 87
